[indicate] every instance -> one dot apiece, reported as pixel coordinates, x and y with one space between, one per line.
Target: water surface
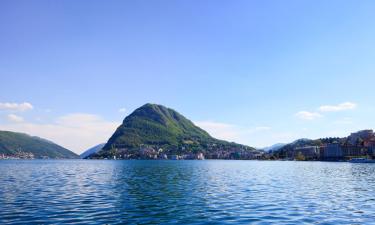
190 192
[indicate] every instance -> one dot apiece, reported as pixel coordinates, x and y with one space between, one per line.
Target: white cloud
77 131
232 132
254 136
305 115
339 107
78 120
14 118
122 110
219 130
19 107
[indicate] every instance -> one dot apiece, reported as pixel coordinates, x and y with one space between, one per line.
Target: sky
255 72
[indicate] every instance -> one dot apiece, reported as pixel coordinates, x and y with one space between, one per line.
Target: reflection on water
82 191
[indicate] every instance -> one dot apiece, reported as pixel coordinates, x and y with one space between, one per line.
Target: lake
189 192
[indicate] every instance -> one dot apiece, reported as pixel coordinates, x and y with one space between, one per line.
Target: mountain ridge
91 151
274 147
16 144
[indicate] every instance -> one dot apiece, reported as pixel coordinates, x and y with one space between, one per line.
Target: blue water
189 192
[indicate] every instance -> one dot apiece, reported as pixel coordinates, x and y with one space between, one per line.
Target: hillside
288 149
91 151
23 145
274 147
154 127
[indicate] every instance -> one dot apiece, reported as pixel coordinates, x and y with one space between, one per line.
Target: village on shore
360 144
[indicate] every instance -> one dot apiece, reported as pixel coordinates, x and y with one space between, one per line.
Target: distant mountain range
21 145
155 130
91 151
274 147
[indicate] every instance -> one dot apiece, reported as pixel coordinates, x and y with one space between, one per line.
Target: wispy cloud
311 115
220 130
340 107
14 118
19 107
231 132
76 131
122 110
306 115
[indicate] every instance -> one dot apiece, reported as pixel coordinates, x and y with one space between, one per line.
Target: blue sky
254 72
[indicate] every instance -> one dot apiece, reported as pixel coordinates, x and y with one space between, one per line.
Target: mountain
26 146
288 149
274 147
155 130
92 150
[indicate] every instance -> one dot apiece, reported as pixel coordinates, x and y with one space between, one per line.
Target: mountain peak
154 108
154 124
160 127
159 114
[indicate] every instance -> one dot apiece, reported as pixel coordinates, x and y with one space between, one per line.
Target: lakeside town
360 144
18 155
154 152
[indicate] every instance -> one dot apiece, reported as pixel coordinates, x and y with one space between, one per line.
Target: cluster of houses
235 153
18 155
359 144
212 152
147 152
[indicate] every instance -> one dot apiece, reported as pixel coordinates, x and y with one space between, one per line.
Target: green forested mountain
157 126
12 143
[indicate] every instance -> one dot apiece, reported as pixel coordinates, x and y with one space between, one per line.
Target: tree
300 157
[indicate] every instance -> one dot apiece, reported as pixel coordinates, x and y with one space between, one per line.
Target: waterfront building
309 152
200 156
353 151
370 145
175 157
369 142
332 151
148 152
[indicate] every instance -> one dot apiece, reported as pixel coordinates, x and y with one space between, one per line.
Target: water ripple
189 192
